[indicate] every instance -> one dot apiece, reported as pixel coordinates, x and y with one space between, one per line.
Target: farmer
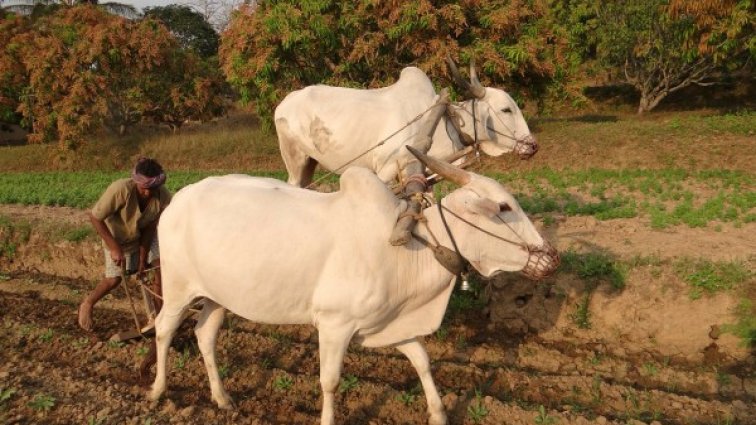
126 218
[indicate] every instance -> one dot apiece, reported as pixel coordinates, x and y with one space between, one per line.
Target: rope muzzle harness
542 260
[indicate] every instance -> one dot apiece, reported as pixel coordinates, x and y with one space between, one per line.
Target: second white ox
273 253
338 127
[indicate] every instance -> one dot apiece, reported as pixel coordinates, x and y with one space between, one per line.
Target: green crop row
79 189
666 197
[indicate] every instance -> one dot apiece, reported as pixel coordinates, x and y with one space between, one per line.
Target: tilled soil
520 360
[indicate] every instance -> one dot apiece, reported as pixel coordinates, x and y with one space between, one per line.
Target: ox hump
364 184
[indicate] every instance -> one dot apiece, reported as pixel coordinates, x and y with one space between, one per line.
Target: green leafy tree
661 46
189 27
279 46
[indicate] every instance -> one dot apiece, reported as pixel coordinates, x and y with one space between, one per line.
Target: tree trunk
649 101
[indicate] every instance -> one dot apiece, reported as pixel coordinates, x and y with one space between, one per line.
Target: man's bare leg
85 308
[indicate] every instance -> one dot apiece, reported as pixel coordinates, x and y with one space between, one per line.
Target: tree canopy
189 27
283 45
661 46
80 68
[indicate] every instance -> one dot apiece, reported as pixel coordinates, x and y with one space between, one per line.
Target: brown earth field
510 353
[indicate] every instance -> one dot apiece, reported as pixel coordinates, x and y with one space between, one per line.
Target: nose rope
512 138
475 226
537 265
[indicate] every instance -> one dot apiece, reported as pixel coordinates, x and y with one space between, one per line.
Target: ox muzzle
543 261
526 147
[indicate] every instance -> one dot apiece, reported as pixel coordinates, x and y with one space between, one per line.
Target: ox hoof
439 419
154 395
227 404
400 238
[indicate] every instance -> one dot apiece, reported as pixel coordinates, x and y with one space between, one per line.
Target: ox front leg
333 340
210 321
417 355
166 323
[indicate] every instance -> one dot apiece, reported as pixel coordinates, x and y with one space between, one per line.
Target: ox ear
484 207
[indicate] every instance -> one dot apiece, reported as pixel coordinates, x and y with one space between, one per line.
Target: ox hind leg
333 339
208 324
166 323
417 355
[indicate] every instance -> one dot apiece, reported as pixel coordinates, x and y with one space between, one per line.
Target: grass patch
596 268
13 233
708 277
745 327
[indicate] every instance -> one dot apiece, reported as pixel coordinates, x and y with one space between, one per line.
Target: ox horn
443 169
473 87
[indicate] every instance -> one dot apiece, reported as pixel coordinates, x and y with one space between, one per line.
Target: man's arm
145 242
116 253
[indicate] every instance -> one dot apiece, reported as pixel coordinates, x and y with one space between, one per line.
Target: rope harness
518 146
537 266
376 146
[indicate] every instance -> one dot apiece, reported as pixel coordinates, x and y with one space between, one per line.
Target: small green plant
710 277
348 383
142 351
283 382
723 378
42 402
182 358
596 396
442 333
116 344
745 327
477 411
46 336
223 371
595 268
543 418
6 394
460 343
80 342
266 363
596 359
650 369
409 397
78 234
94 421
582 315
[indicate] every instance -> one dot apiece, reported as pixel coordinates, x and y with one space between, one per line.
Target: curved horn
461 82
476 88
443 169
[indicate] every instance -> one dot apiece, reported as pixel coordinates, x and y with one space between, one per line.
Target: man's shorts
112 270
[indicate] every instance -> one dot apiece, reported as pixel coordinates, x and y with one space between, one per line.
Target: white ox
338 127
276 254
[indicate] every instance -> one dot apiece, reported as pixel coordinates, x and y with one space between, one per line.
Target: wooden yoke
412 172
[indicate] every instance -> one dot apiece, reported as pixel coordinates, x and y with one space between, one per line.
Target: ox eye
503 207
507 110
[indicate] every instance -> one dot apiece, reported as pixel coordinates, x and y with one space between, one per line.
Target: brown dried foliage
87 68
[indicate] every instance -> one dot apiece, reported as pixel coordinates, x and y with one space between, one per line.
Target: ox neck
463 114
436 234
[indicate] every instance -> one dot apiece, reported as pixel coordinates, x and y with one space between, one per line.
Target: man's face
144 192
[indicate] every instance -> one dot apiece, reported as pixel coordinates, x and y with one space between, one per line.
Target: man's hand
116 254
